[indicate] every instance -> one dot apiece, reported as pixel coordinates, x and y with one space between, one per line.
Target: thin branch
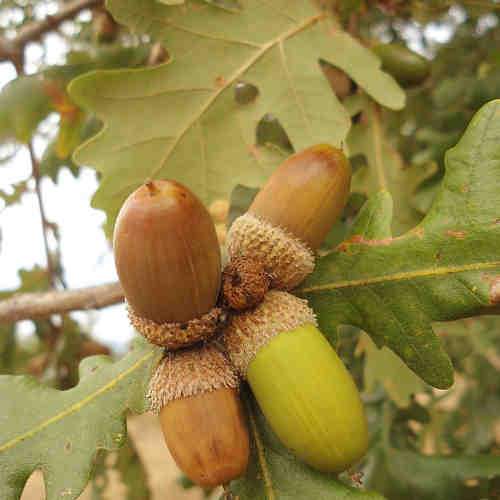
40 305
11 50
35 168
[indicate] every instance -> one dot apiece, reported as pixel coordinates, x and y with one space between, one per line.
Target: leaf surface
445 268
59 432
407 475
181 120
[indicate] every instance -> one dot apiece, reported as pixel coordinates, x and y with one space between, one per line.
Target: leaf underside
181 119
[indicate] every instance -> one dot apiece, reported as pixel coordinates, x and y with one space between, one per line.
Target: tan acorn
195 392
292 214
168 260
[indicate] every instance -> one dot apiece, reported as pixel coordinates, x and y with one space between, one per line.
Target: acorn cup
304 390
292 214
168 261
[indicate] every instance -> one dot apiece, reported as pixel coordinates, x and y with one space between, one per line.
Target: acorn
168 260
203 423
292 214
406 66
304 390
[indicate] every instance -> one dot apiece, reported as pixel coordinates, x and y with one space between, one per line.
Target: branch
11 50
40 305
35 172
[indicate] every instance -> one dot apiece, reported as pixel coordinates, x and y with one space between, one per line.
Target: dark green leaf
393 288
405 475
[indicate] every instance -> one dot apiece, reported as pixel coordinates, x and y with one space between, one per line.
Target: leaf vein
401 276
76 406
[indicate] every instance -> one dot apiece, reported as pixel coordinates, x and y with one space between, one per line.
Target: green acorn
300 383
406 66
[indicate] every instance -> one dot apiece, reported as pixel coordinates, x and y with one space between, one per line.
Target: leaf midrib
268 485
75 406
401 276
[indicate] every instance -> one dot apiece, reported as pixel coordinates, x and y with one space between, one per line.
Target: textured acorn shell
166 253
207 436
306 194
406 66
310 399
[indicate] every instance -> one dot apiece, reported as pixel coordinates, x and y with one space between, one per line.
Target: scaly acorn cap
285 258
190 372
248 332
245 283
168 260
292 214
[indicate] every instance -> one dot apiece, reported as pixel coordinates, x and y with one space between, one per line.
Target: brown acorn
168 260
201 416
292 214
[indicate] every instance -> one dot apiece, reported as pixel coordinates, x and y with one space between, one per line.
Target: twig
12 50
40 305
35 168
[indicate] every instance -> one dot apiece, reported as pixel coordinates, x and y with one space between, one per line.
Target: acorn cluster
219 326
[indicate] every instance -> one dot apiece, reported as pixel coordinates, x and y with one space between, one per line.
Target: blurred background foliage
410 422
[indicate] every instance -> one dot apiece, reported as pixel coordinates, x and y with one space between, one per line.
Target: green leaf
410 476
384 367
27 100
384 169
181 120
59 432
445 268
23 105
275 474
15 197
53 159
35 279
